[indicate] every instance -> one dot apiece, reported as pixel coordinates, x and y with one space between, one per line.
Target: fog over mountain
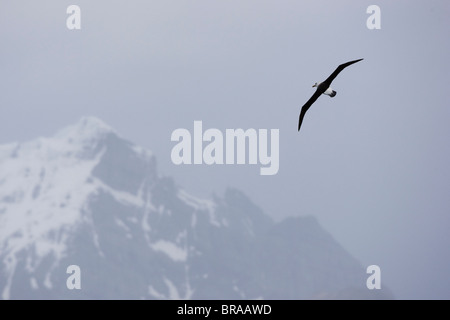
88 197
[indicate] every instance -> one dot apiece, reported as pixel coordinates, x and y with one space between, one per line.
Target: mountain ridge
89 197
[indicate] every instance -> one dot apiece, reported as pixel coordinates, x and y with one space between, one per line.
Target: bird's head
315 85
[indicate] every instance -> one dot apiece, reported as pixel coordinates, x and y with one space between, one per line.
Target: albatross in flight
323 87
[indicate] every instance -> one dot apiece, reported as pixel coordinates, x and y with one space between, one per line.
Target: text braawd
241 147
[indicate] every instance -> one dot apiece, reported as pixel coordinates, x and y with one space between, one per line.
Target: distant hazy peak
87 128
88 197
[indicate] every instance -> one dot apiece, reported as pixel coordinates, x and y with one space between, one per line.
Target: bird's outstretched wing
306 107
339 69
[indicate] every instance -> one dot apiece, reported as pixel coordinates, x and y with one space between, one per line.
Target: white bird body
323 87
330 92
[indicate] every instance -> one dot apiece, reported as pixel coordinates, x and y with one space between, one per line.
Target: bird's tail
333 93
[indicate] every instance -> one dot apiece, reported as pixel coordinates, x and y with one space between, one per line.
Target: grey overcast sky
372 164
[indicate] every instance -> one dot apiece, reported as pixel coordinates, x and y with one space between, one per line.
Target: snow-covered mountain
88 197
